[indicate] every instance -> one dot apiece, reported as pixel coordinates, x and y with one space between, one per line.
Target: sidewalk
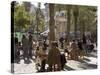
25 68
89 62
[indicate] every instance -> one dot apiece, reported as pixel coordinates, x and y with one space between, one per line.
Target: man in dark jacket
61 41
25 48
63 61
30 45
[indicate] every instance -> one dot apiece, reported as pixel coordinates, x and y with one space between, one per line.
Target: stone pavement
89 62
25 68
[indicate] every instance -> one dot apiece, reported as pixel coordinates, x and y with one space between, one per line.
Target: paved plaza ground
89 62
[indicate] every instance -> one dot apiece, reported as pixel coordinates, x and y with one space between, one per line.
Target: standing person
45 45
90 46
40 59
30 42
81 51
33 47
54 60
88 43
16 39
84 39
84 43
37 43
43 57
63 60
61 41
25 48
74 50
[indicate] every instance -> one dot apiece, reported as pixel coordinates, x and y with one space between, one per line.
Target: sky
35 4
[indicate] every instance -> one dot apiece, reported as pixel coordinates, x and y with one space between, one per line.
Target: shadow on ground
68 68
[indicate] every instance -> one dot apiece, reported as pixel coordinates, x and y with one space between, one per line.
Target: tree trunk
37 19
75 13
51 23
82 28
68 24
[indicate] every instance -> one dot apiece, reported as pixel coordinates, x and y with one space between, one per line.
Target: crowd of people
24 47
48 57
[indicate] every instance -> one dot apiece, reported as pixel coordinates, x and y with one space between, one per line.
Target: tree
87 19
40 22
27 6
59 7
21 18
40 18
75 14
68 9
51 23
